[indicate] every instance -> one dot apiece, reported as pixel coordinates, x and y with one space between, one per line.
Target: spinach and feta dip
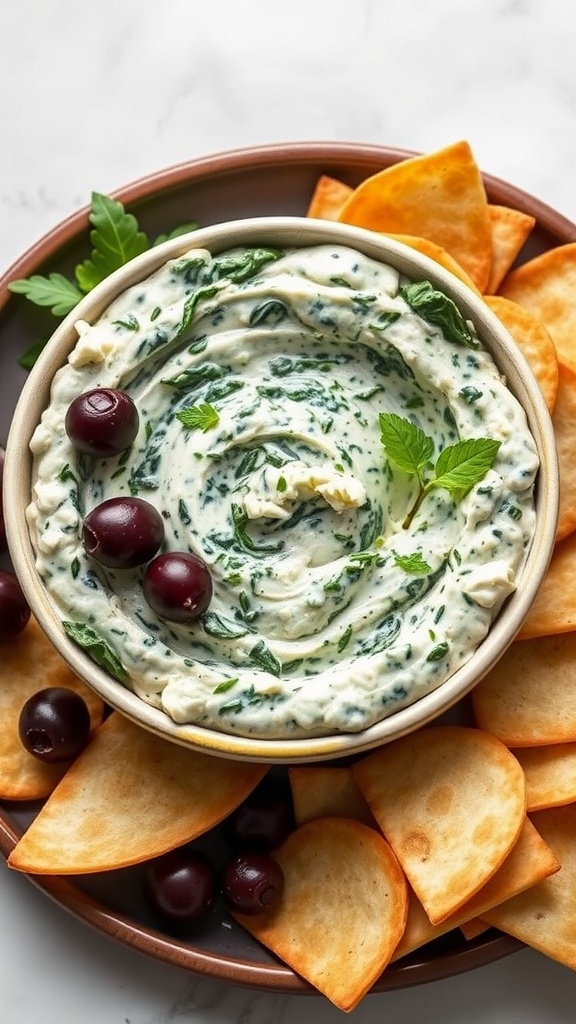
270 385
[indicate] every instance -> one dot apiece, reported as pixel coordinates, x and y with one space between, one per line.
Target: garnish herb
116 238
97 648
413 563
199 417
458 468
262 656
439 310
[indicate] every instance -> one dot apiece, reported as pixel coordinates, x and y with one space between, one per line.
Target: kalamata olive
180 885
102 422
3 544
252 882
14 610
54 724
264 819
178 586
123 532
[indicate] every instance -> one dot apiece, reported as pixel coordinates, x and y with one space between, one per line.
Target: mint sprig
458 468
116 238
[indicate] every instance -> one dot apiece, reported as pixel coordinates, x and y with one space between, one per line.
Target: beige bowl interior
282 232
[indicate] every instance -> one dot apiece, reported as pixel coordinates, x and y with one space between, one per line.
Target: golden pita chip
30 663
543 916
534 342
546 286
554 610
439 196
343 909
328 198
439 255
130 796
529 861
451 802
564 421
320 791
510 229
529 698
550 775
472 929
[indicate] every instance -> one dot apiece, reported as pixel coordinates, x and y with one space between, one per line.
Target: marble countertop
95 99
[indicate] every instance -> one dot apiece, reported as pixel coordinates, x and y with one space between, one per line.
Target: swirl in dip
332 607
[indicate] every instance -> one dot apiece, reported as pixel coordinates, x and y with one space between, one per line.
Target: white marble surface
92 97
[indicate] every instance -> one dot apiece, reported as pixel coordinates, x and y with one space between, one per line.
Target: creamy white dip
316 624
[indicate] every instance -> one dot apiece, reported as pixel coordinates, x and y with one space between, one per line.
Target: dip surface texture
330 610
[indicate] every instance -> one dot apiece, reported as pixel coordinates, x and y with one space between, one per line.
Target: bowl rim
284 230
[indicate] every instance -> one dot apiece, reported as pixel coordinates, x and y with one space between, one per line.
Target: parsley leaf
199 417
55 291
116 238
413 564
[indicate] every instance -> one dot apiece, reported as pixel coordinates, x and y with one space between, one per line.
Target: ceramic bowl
280 232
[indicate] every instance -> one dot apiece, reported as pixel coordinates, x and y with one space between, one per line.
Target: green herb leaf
462 465
29 357
413 564
262 656
214 625
199 417
345 638
55 291
182 229
407 446
97 648
116 239
439 310
439 652
224 686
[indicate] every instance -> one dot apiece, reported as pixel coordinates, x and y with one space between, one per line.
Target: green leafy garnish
214 625
225 685
439 310
97 648
199 417
182 229
54 291
458 468
116 238
413 563
262 656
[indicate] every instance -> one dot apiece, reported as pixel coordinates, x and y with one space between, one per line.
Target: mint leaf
413 563
116 239
55 291
407 446
97 648
182 229
199 417
462 465
435 307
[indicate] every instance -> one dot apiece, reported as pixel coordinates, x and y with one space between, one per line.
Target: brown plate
276 179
